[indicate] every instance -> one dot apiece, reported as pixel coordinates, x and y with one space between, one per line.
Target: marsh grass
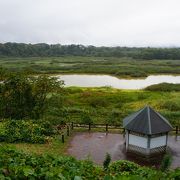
107 105
120 67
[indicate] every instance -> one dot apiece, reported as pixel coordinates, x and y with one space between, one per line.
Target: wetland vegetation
120 67
117 61
31 107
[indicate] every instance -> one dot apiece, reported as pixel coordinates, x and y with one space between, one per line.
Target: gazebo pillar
127 139
148 144
166 140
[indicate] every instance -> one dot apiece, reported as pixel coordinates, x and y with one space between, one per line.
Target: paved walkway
96 145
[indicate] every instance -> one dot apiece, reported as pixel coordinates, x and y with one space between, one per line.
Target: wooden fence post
72 125
62 138
106 127
89 126
67 130
176 130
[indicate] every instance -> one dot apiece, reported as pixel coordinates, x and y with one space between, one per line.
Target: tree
17 100
25 97
41 87
54 50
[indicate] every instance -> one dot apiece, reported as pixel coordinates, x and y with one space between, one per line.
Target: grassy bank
120 67
55 147
107 105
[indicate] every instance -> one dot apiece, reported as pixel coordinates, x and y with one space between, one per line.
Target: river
119 83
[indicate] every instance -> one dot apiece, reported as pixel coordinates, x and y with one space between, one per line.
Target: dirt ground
95 145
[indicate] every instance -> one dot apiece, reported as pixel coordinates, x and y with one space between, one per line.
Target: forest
54 50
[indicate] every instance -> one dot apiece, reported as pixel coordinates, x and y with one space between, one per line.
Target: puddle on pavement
95 145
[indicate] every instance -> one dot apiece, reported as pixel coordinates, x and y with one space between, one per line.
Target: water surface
107 80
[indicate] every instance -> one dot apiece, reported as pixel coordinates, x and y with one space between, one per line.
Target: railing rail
176 129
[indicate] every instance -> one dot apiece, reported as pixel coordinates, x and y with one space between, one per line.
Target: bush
18 165
114 117
123 166
26 131
86 118
107 161
171 105
164 87
98 102
166 162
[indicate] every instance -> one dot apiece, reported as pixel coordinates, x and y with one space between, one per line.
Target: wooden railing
66 130
108 126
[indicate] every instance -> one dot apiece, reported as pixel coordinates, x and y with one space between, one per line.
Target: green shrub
19 165
26 131
107 161
123 166
86 118
98 102
114 117
171 105
163 87
166 162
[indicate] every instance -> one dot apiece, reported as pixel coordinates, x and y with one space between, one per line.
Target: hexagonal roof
147 121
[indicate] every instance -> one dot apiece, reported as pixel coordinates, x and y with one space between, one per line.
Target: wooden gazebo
146 132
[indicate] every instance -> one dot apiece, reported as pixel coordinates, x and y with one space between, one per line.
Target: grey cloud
97 22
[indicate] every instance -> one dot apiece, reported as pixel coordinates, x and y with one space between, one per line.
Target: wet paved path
96 145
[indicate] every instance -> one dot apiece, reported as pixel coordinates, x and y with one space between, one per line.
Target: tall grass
106 105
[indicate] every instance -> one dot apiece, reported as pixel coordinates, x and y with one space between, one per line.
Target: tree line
54 50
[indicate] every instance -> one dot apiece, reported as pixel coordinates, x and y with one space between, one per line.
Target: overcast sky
91 22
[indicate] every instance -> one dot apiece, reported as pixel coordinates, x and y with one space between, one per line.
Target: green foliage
3 73
86 118
17 100
25 97
171 105
166 162
107 161
123 166
114 117
34 50
164 87
42 86
75 104
131 170
26 131
18 165
98 102
116 66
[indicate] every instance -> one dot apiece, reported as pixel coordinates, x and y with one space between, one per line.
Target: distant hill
38 50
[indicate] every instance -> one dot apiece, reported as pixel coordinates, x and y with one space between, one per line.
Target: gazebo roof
147 121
